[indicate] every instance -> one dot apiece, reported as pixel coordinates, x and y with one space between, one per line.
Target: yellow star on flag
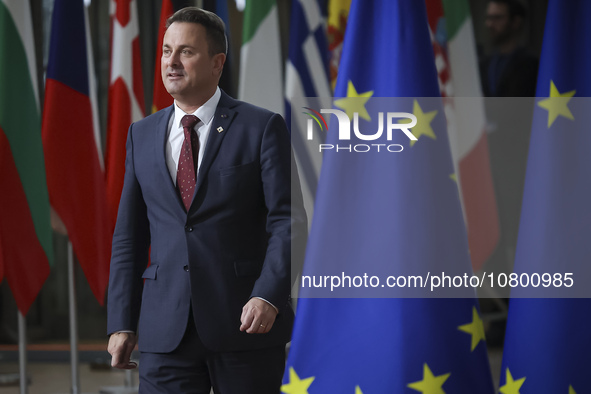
423 126
453 177
355 102
571 390
430 384
358 390
476 328
296 385
557 104
511 386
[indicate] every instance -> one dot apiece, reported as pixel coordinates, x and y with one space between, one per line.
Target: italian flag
25 228
261 79
458 77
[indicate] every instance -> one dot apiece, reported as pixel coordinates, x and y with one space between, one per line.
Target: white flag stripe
261 80
317 70
21 15
298 125
472 122
312 13
92 92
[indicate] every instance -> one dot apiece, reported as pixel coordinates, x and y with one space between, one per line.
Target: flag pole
22 353
73 323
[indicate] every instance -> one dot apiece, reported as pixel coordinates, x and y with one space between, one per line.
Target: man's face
188 71
498 22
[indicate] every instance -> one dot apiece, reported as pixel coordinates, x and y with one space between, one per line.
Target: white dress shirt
176 135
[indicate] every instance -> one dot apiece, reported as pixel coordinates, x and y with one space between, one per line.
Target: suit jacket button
188 229
186 268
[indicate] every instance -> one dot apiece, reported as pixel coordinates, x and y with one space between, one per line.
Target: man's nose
173 59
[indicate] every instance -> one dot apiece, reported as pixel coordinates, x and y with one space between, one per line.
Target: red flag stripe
161 98
22 257
479 203
75 180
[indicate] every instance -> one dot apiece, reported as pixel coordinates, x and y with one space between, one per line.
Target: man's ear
218 63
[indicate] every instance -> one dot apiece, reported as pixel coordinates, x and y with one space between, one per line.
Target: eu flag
384 212
547 342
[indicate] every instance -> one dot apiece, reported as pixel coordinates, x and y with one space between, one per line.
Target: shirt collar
204 113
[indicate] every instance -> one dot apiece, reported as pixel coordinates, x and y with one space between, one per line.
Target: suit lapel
160 154
220 124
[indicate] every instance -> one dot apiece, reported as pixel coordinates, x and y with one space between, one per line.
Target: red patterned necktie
185 175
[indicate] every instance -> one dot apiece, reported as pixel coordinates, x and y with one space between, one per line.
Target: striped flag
126 94
306 76
71 143
25 230
457 68
261 79
338 12
161 99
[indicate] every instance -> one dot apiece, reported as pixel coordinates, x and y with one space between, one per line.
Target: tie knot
189 121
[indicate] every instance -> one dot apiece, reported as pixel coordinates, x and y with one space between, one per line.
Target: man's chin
172 88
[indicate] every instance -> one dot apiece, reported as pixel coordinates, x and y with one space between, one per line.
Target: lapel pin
224 116
220 129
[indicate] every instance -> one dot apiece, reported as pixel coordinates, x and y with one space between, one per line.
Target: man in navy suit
208 188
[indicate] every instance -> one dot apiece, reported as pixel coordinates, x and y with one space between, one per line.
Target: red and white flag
457 68
161 99
126 94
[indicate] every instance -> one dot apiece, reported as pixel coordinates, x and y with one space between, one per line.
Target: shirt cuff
274 307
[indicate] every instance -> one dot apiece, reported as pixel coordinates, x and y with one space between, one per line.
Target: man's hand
257 317
121 344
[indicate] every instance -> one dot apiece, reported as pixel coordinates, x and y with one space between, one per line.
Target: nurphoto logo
344 132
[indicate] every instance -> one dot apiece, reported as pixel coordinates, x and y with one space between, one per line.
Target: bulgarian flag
457 68
71 141
25 229
261 75
126 94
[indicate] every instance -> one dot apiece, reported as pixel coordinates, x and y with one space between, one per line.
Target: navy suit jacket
234 243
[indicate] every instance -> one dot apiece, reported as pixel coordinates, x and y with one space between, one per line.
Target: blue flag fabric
395 212
547 343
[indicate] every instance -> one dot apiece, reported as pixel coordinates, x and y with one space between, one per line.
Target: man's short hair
515 8
215 30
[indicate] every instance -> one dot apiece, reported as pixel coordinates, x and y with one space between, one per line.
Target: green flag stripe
456 13
254 13
21 122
